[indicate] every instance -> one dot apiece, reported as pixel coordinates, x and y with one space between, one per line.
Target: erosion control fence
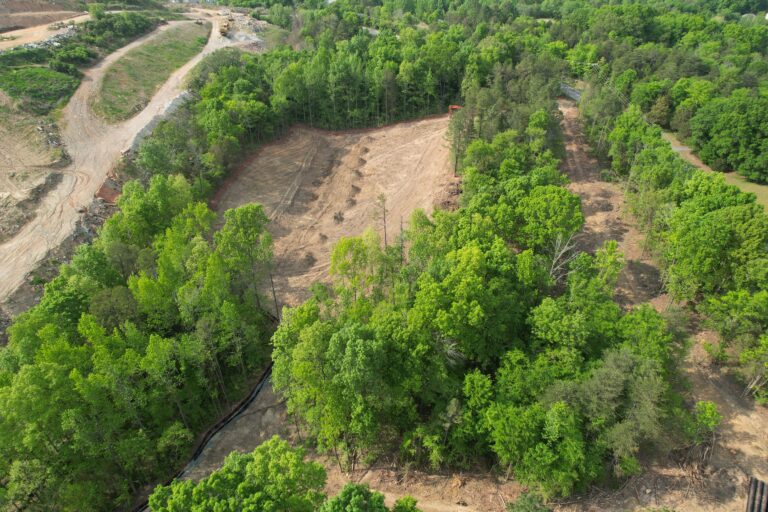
223 422
757 499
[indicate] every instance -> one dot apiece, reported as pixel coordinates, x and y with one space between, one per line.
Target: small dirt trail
94 147
687 154
742 448
602 204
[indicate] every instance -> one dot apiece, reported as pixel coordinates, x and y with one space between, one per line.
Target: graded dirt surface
741 449
760 191
25 168
37 32
94 148
319 186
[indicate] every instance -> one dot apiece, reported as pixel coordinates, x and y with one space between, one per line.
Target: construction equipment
453 108
224 28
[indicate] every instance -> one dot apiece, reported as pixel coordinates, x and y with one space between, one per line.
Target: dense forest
478 337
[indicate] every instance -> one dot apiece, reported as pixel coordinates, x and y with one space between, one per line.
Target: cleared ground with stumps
317 186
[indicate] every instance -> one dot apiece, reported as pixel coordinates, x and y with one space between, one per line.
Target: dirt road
741 449
761 191
95 148
40 32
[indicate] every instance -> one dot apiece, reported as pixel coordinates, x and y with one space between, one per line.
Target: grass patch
761 191
40 89
131 82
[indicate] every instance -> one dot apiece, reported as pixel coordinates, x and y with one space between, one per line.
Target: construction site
58 185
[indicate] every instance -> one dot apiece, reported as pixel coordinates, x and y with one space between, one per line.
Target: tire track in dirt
742 447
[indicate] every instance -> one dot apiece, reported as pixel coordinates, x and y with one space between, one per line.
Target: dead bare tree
563 252
381 203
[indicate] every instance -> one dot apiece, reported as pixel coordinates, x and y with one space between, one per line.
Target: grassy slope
131 81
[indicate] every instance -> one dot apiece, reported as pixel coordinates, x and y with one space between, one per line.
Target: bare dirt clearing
318 186
27 20
25 168
741 449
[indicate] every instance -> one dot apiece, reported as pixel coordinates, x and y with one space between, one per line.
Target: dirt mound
26 6
318 186
21 20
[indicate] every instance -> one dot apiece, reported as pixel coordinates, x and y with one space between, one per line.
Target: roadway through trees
740 450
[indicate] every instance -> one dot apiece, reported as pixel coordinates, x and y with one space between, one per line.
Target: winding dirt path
95 147
742 447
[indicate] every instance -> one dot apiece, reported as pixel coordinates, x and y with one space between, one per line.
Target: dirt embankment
30 27
741 449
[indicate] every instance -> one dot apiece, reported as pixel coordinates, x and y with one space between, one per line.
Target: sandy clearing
94 148
38 33
741 449
310 179
26 170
